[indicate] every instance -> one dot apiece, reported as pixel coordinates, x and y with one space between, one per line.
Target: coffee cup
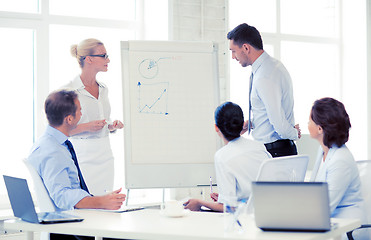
172 208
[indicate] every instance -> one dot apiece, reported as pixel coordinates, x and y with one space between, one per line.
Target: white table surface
150 224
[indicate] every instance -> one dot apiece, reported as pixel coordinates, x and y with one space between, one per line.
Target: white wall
368 127
203 20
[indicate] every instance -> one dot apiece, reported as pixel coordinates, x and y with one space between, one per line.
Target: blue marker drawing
148 68
153 98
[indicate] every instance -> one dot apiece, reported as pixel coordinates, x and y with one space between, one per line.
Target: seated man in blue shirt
54 160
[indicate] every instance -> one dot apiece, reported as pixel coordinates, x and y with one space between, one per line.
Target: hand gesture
114 200
96 125
193 205
214 196
115 125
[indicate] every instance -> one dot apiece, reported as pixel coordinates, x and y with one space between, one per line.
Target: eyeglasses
105 56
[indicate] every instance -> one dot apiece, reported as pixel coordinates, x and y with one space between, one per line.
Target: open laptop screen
24 208
291 206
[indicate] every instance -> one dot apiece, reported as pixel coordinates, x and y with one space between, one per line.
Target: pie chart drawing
148 68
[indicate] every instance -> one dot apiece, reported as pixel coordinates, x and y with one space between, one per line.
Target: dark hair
229 120
330 114
245 33
58 105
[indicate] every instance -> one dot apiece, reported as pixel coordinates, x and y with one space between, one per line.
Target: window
310 18
315 40
22 6
109 9
16 99
36 40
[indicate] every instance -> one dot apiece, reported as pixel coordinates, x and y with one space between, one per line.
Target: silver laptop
21 201
291 206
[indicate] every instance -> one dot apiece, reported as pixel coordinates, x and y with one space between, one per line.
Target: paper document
121 210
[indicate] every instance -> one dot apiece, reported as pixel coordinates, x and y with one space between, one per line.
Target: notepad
122 209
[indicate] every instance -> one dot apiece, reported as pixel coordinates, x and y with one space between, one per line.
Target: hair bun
74 50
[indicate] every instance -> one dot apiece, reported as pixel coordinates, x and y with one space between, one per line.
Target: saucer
185 212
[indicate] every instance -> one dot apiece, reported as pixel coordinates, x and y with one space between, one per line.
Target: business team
271 123
271 104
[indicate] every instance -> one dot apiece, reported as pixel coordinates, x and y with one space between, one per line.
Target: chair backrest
44 201
307 145
364 168
290 169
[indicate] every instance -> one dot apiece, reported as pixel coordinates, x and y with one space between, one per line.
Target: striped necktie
73 154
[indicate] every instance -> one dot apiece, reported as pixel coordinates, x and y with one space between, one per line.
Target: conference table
152 224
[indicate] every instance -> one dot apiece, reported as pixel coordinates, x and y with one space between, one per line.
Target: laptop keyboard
53 215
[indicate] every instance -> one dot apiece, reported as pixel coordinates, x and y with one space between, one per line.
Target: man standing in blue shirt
271 100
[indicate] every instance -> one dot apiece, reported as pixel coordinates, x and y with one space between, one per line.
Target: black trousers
280 148
55 236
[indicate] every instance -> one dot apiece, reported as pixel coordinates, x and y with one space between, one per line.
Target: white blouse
91 108
236 166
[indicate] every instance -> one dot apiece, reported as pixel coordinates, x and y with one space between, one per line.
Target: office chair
364 168
308 146
44 201
288 168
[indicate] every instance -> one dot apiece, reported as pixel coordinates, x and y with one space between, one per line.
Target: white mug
172 208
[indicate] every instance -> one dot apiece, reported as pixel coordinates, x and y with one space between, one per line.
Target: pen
211 185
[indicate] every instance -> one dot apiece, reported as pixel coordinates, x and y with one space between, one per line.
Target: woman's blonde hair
83 49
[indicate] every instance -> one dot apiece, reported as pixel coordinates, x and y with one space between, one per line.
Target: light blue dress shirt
340 171
236 165
272 101
53 161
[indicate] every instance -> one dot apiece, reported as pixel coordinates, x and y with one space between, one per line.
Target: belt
282 143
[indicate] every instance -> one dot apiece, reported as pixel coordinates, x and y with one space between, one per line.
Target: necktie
73 154
250 87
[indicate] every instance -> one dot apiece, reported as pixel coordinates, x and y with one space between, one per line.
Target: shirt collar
234 140
77 83
331 151
259 61
58 135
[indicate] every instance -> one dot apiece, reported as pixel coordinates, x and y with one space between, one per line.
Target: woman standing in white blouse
91 137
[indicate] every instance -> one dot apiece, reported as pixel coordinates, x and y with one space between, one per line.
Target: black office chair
364 168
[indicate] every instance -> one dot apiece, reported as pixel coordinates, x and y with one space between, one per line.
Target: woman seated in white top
329 124
236 164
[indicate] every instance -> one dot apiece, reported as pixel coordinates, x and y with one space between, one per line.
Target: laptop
22 204
292 206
